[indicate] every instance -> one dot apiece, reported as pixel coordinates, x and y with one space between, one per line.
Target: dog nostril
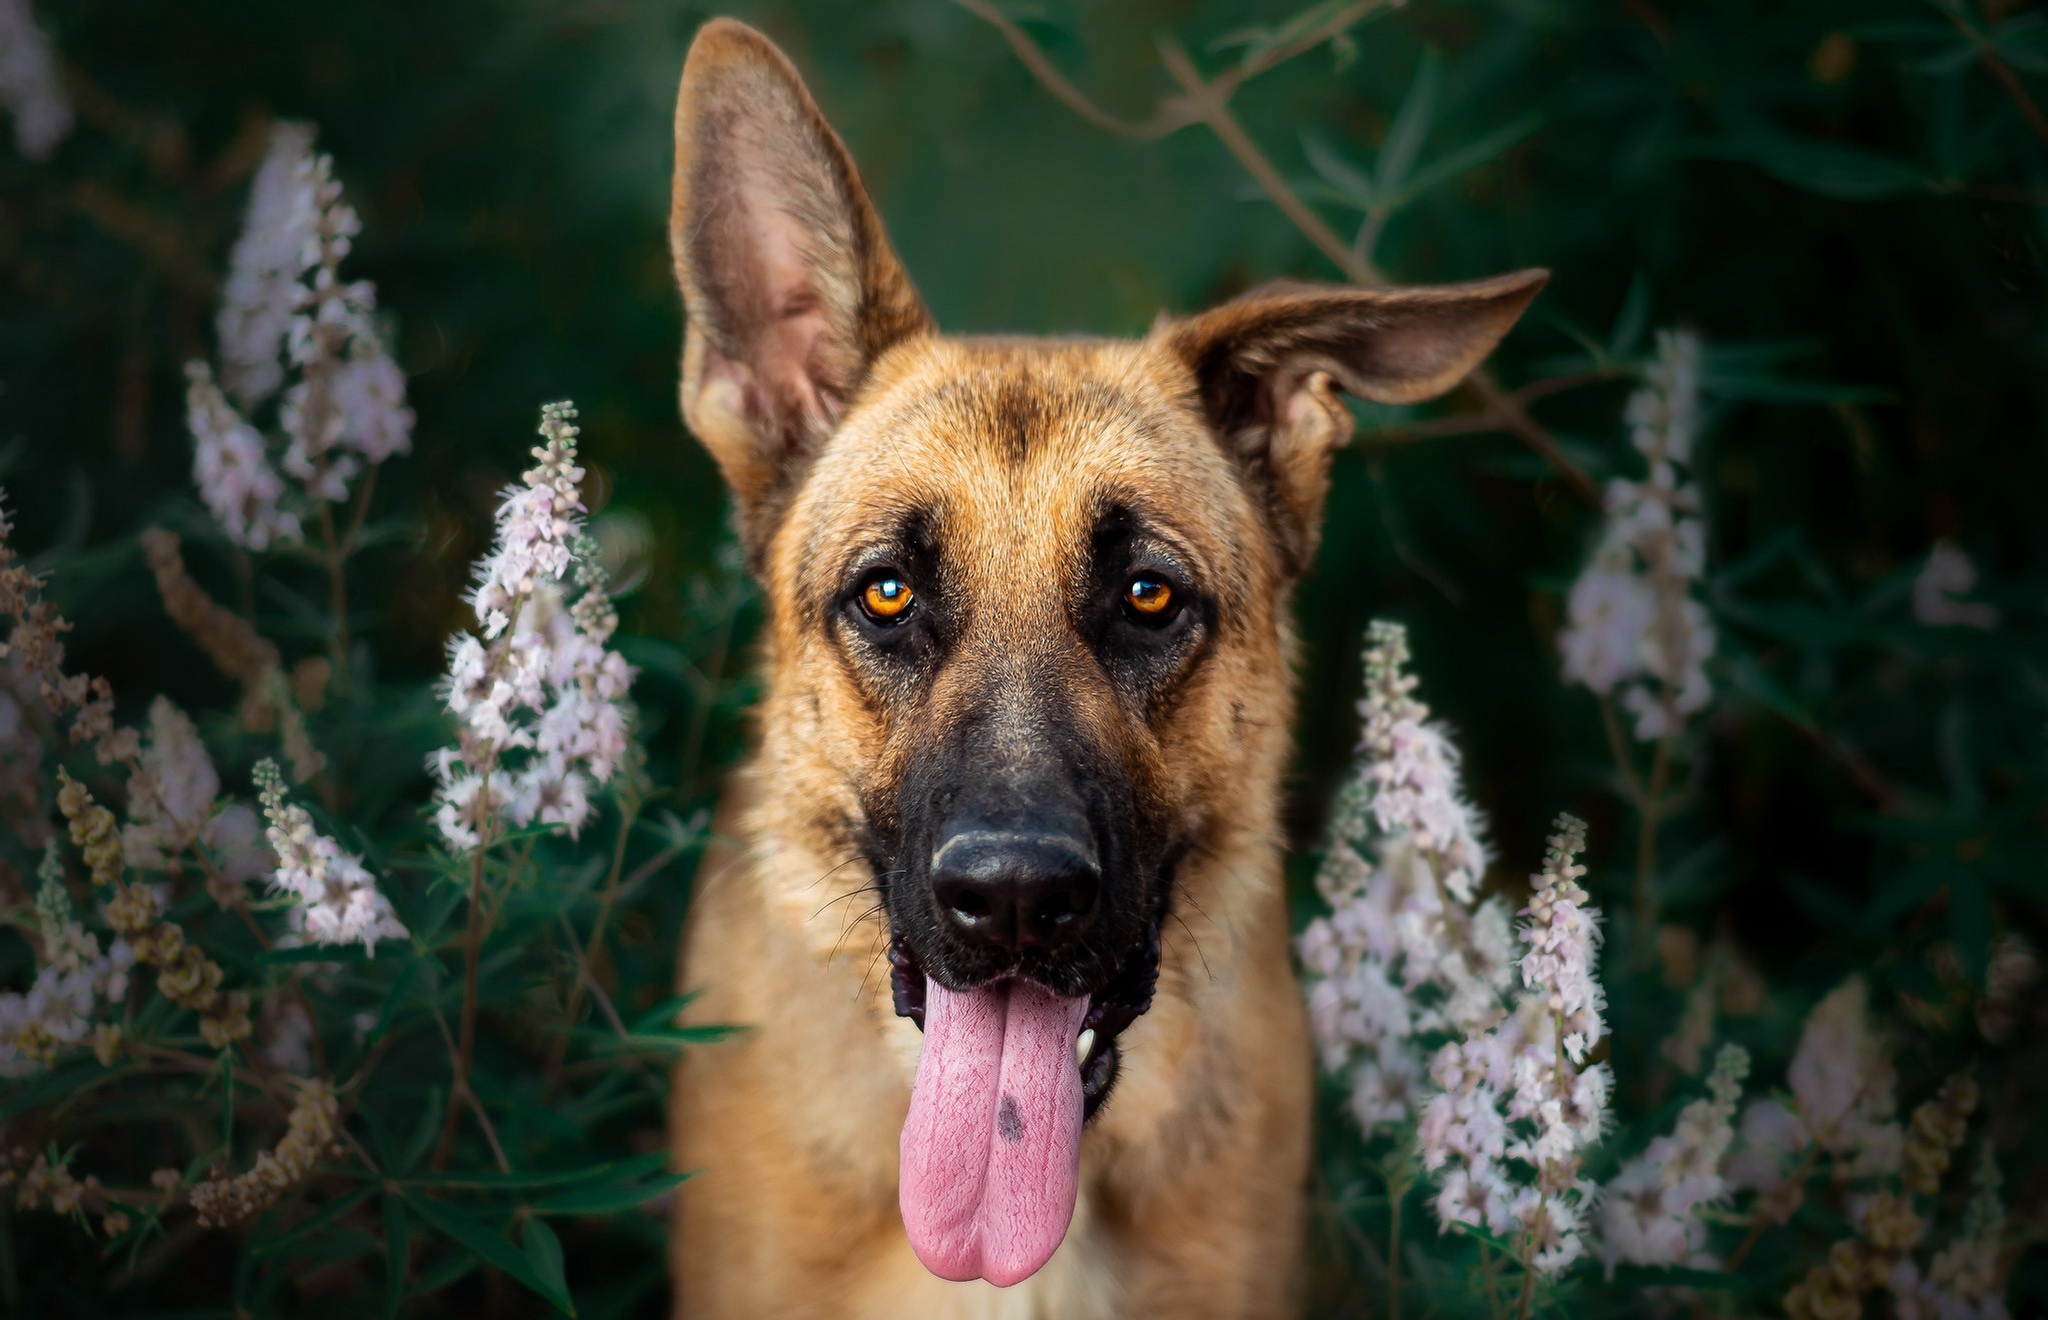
970 905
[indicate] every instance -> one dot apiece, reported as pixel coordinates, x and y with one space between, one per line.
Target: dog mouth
1122 1000
1011 1072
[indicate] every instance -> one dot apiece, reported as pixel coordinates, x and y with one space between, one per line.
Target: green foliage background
1841 197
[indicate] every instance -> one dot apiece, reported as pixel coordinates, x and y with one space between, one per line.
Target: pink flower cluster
1520 1093
1633 622
539 697
1649 1213
75 979
335 900
30 87
286 305
1403 951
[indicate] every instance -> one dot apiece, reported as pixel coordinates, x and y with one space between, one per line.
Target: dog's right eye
887 599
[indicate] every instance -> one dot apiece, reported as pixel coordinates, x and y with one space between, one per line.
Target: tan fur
1220 427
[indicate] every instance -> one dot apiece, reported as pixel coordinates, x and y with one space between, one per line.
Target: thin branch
463 1095
2007 79
1164 120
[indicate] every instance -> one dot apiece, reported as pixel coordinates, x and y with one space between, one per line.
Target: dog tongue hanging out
1025 682
992 1147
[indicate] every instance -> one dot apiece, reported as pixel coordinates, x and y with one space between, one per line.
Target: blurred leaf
1907 889
1632 319
488 1246
313 1223
393 999
609 1198
638 1166
1846 173
1823 904
1969 921
1750 678
1411 124
544 1254
397 1253
1348 183
1479 151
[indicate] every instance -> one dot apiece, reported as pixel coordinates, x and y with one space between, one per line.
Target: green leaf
1632 1277
1751 679
392 999
1345 179
1830 169
1479 151
397 1254
329 953
544 1254
671 1042
490 1247
608 1199
313 1223
1906 889
639 1166
1969 920
1632 319
1412 121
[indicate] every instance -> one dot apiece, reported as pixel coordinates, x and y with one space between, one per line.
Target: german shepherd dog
999 890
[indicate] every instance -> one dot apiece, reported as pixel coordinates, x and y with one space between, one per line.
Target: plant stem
586 957
1397 1191
465 1047
1646 849
1489 1273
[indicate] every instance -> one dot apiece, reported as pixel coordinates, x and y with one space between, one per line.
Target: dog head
1027 639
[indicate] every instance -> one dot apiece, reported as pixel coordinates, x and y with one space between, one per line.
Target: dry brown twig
1204 100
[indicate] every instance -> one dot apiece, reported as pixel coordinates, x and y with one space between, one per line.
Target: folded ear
1268 365
789 284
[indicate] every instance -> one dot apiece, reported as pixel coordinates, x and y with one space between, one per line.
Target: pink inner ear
790 316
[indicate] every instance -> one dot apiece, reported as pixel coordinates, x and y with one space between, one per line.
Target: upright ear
789 283
1268 365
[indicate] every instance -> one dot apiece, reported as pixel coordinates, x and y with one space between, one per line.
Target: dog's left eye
1150 599
887 599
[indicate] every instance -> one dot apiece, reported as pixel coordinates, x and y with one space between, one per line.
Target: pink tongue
992 1146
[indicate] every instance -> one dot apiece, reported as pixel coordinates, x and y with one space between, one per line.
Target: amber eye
1149 597
887 599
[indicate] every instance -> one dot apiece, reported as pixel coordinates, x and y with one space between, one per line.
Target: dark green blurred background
1853 215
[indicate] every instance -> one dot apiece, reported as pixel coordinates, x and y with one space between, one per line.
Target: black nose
1016 891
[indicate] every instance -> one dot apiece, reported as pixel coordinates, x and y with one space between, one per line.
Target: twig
2002 71
462 1094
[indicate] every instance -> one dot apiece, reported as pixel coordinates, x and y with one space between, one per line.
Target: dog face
1027 597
